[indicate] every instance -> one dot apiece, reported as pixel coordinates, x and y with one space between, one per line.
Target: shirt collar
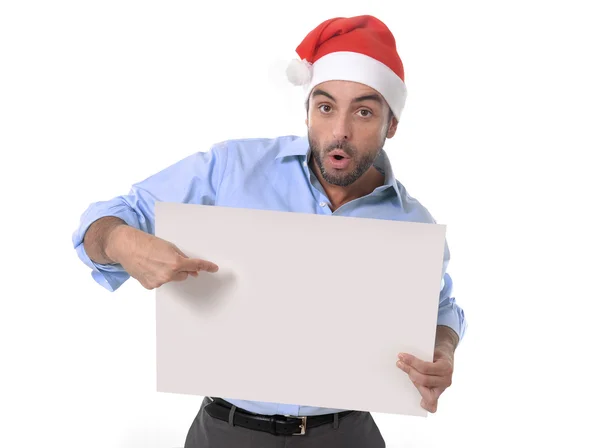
300 147
383 162
297 147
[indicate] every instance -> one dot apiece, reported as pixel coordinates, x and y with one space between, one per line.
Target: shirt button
322 204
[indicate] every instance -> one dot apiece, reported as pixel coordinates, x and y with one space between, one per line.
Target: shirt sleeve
450 313
194 179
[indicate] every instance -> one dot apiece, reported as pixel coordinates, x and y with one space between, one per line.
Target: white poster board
305 309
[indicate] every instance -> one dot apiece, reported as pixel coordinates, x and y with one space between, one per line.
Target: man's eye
364 113
325 108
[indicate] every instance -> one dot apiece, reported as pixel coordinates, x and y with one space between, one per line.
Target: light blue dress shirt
266 174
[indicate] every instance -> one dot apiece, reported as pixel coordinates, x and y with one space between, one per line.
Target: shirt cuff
110 276
451 315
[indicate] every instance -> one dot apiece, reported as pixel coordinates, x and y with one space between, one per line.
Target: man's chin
343 180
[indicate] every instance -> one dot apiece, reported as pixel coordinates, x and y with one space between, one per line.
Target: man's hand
151 260
432 378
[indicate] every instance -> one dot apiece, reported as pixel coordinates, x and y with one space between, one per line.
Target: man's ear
393 126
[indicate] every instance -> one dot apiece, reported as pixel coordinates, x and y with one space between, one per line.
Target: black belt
275 424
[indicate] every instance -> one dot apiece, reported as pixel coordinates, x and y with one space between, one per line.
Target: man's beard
342 179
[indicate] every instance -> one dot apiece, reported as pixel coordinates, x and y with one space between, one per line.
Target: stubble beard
342 179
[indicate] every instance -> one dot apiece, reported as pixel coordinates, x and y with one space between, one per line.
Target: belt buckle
302 425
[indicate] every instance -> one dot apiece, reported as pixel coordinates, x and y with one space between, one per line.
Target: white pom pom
299 72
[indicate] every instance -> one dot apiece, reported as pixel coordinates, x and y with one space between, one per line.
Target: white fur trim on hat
357 67
299 72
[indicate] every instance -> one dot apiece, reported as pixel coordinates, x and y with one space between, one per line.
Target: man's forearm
446 339
95 241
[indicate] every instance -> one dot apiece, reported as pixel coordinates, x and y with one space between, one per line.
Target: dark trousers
356 430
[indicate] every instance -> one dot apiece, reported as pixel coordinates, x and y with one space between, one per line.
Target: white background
498 140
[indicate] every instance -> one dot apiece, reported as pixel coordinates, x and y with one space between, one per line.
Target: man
354 85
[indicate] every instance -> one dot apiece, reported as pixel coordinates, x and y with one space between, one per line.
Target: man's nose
342 128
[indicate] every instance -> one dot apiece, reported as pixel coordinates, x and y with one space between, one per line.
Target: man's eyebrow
371 97
322 92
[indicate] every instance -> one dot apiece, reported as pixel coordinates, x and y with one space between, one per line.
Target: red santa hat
360 49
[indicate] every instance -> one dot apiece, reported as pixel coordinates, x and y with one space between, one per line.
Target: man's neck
339 196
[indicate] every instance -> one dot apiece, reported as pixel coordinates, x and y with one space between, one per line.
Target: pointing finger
195 265
208 266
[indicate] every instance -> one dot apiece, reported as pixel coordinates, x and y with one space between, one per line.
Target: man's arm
446 340
151 260
96 239
194 179
450 314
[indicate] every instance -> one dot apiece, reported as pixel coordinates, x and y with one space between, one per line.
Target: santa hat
360 49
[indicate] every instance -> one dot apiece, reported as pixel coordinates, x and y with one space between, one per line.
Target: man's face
347 124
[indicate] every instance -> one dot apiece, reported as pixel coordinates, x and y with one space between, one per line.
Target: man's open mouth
338 154
339 159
